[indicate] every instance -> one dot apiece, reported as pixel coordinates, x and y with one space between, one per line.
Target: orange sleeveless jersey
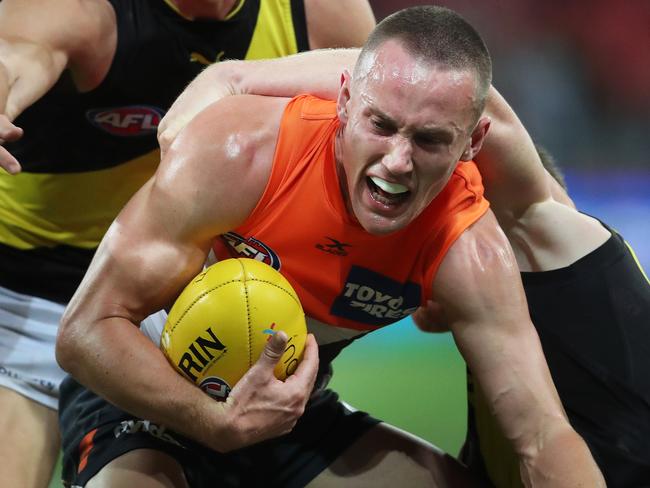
344 276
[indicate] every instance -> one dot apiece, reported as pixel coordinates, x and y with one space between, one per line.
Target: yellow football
219 324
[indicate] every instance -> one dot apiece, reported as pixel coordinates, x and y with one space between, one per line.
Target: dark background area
577 72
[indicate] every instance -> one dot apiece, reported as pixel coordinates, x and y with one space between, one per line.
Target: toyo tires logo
133 120
374 299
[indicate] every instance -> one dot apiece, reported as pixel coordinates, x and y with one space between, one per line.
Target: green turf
416 384
56 483
412 380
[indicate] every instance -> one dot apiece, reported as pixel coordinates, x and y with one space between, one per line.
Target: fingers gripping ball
221 321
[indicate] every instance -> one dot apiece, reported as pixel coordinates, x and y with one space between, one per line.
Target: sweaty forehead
390 61
391 67
390 79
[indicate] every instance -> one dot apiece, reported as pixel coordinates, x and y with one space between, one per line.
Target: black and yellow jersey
85 154
593 320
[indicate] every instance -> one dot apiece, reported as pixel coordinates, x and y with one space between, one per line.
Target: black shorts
94 432
593 320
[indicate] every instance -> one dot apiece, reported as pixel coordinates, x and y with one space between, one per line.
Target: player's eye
431 141
426 141
382 126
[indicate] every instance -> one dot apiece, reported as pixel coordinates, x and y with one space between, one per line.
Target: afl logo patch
133 120
249 247
215 387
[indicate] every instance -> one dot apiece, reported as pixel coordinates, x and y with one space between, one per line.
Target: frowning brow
434 134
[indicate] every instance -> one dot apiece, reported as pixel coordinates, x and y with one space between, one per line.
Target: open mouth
386 193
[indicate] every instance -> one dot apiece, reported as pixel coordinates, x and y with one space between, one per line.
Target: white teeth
392 188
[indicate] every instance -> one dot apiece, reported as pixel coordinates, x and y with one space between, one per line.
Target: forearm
116 361
5 75
4 86
27 72
314 72
531 417
560 459
512 171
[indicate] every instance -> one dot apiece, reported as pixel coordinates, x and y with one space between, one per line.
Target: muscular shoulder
478 270
480 246
224 156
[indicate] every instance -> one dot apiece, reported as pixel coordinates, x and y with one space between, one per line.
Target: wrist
560 459
217 427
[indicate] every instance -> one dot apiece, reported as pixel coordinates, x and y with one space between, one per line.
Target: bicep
208 183
143 261
479 286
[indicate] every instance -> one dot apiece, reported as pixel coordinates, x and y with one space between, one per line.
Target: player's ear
344 97
476 139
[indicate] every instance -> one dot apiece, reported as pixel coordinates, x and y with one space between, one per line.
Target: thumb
273 350
8 162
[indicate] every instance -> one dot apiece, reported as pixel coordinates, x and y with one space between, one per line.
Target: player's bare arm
481 297
315 72
545 233
38 41
514 177
338 24
353 24
286 77
511 161
156 245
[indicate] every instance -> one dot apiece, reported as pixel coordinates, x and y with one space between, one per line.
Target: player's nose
399 156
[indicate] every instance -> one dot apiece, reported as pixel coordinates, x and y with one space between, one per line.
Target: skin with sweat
404 126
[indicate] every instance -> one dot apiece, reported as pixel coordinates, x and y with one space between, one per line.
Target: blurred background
577 72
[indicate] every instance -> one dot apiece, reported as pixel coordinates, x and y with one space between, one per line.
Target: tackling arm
511 168
314 72
328 25
480 292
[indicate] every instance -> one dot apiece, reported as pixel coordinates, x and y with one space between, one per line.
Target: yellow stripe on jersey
199 58
236 8
274 34
75 209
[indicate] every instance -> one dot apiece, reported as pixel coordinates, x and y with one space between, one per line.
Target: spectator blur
576 71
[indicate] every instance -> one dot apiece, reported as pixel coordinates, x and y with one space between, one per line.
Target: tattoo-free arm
314 72
37 44
480 292
512 171
338 24
155 246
